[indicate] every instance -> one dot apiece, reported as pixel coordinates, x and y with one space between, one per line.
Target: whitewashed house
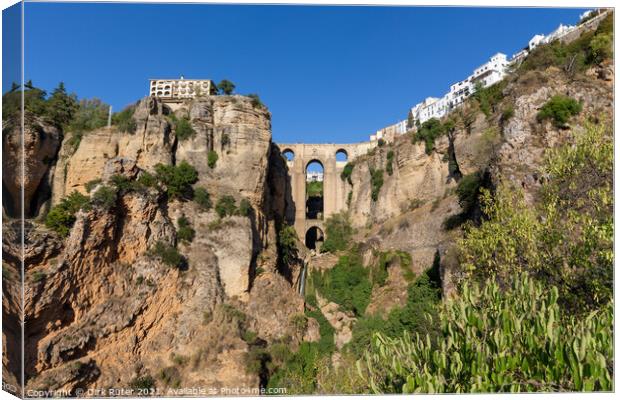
535 41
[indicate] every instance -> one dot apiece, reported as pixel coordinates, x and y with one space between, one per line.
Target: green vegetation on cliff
559 109
62 216
592 47
338 232
495 339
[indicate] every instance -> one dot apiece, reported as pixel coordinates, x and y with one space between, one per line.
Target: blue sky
328 74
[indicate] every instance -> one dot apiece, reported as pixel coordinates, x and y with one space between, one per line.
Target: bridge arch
288 154
314 238
342 155
315 192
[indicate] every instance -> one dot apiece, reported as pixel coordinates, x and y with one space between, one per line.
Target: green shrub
122 183
90 115
185 232
423 299
299 372
468 191
428 132
225 206
346 172
496 339
233 314
507 114
38 276
488 98
559 109
226 87
202 198
256 101
299 322
225 139
170 376
104 197
90 185
565 238
147 179
184 129
177 180
212 158
287 244
244 208
346 284
376 181
62 216
124 120
601 48
380 142
249 336
338 233
390 160
142 382
169 255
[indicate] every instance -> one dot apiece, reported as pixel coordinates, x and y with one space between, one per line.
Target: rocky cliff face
102 311
41 142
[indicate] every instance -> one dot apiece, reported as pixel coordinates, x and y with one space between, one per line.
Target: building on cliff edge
489 73
180 89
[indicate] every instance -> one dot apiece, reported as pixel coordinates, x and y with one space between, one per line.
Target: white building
535 41
490 72
558 33
486 75
314 176
182 88
431 107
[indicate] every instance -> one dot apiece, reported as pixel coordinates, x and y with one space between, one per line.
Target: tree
410 120
177 179
185 232
287 244
62 216
226 206
212 158
202 198
61 107
338 232
256 101
91 114
184 129
124 120
225 86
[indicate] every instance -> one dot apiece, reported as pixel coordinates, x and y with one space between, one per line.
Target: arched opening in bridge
314 190
341 155
288 154
314 238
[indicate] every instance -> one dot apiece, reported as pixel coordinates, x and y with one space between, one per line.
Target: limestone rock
41 142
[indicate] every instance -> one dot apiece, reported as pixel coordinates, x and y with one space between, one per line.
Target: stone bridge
335 191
